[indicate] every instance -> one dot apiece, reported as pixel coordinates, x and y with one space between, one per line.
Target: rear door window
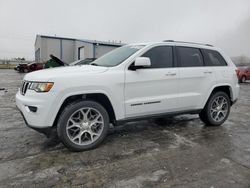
189 57
214 58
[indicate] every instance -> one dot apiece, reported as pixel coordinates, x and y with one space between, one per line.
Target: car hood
48 74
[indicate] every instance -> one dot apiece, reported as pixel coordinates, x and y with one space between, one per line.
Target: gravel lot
175 152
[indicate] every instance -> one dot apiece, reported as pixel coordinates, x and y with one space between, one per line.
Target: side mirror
142 62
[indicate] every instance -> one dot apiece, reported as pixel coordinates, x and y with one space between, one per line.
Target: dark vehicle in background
29 67
83 61
51 63
243 74
16 67
54 62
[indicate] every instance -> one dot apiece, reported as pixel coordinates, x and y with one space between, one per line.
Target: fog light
32 108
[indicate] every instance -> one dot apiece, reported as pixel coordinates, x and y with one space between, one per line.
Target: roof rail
168 41
188 42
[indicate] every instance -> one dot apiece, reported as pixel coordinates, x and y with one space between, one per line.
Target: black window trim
207 58
178 56
174 59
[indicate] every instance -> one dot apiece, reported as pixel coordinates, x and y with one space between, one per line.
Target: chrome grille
24 87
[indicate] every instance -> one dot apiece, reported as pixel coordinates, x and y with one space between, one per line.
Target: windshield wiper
94 64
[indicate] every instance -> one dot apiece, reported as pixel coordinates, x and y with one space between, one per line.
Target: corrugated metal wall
67 49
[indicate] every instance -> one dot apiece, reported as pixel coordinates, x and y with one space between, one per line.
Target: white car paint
158 90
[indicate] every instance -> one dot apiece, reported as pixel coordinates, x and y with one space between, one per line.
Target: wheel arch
225 88
101 98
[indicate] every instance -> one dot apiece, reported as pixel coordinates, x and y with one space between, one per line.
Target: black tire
205 114
243 79
66 114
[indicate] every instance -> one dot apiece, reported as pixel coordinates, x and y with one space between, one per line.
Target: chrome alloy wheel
219 108
85 126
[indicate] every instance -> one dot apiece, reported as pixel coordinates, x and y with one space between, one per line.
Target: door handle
208 72
170 74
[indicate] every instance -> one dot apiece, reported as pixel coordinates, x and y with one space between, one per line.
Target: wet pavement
173 152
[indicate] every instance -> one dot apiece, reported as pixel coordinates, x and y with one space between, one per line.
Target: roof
96 42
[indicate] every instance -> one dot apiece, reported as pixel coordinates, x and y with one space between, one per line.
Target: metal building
69 49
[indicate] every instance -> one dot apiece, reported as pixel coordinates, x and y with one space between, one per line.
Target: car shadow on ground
131 128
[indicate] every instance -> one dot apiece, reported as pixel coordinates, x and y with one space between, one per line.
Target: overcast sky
225 23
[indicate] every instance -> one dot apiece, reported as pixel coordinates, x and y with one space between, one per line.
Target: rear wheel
216 110
83 125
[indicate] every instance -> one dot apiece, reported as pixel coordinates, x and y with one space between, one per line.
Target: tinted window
214 58
117 56
189 57
160 56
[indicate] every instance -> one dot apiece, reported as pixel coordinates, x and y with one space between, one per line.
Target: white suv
132 82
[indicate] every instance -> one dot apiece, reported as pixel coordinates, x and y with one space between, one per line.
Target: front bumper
40 120
44 130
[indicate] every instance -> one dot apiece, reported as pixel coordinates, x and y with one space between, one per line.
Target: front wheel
216 110
83 125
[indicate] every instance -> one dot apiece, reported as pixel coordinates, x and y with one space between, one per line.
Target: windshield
117 56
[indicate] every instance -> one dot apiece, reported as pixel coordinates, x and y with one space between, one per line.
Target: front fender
64 94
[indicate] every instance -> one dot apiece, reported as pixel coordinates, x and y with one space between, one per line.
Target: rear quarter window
214 58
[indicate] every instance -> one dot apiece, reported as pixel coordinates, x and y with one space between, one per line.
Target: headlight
41 86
